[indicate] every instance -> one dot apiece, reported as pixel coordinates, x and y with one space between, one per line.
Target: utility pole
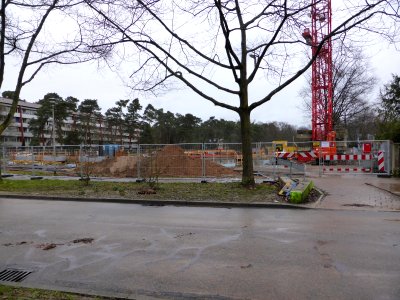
52 101
54 136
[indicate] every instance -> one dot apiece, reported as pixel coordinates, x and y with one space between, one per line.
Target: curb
382 189
319 200
145 202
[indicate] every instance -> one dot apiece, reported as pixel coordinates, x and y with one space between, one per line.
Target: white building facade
18 134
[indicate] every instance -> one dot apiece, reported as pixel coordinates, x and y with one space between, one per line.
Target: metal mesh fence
201 160
396 158
154 161
359 157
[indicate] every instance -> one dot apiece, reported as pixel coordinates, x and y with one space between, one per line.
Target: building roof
23 103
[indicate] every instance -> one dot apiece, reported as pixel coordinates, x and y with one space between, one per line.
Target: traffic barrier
381 161
287 185
300 193
311 155
286 155
347 169
297 191
307 155
303 155
348 157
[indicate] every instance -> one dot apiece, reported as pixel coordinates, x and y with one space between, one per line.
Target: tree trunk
247 155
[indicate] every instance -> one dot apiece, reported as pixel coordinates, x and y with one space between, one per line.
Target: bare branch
345 26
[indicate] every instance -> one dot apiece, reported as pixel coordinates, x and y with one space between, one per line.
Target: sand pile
121 166
170 161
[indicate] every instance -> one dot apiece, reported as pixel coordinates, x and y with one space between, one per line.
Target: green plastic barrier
300 193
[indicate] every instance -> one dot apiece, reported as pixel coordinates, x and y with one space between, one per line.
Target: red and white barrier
286 155
311 155
306 155
347 170
299 155
381 161
348 157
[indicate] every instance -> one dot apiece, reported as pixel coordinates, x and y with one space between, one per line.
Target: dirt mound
120 166
169 161
172 161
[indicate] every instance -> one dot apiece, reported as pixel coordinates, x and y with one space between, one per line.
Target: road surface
147 252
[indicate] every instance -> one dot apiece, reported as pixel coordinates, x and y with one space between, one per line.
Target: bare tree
364 125
29 34
353 85
218 47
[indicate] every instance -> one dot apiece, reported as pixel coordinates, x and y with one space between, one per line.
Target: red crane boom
322 106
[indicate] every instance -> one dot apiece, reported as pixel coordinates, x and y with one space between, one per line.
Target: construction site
197 160
320 150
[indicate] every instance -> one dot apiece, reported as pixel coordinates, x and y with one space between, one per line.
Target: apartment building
17 133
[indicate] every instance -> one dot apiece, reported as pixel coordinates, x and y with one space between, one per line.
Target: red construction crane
321 26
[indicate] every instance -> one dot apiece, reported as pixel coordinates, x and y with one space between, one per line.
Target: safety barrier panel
347 169
381 161
349 157
305 156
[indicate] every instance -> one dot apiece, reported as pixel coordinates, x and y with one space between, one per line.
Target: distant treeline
175 128
146 126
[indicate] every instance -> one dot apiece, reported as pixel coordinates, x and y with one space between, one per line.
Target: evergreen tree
389 122
132 119
89 113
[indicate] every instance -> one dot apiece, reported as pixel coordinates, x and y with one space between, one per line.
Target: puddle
358 205
392 187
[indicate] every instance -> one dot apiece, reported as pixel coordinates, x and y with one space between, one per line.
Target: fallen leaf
84 240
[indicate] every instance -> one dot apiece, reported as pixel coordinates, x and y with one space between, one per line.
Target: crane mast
321 85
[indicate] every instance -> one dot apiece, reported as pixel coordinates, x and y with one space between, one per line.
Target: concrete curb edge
146 202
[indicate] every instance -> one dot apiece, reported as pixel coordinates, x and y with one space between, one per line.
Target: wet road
202 253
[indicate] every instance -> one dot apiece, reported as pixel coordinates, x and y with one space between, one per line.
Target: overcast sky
88 81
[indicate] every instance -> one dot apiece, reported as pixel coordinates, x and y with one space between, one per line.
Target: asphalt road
202 253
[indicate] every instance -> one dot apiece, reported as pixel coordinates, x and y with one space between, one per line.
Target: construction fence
201 160
396 159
